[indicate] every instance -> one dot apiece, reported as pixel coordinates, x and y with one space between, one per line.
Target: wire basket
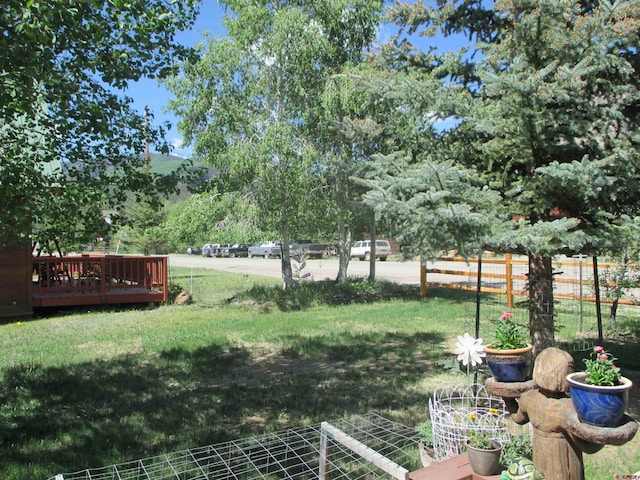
455 410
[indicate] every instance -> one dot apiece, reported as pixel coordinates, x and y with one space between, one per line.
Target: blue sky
149 93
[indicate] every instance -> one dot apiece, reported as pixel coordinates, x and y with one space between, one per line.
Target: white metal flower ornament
470 351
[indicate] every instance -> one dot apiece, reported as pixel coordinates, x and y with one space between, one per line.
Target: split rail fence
573 278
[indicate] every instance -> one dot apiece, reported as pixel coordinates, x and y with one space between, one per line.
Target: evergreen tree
546 117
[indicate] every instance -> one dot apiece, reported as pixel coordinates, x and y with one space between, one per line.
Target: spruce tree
546 117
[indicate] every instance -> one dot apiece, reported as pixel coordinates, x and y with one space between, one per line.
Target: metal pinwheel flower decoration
470 352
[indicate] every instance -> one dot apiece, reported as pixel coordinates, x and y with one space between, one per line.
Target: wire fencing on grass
210 287
504 287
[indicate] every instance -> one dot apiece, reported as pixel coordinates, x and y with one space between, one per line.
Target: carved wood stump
559 437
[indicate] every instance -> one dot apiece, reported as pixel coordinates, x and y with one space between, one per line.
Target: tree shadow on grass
329 292
56 420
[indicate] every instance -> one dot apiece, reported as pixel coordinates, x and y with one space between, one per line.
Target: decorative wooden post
559 437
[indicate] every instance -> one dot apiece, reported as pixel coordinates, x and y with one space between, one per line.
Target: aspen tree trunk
344 251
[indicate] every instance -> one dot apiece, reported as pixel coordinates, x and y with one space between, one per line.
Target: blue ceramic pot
596 405
509 365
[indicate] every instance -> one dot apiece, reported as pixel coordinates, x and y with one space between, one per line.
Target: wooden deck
456 468
99 280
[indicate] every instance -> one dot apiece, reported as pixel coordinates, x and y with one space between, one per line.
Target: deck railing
87 279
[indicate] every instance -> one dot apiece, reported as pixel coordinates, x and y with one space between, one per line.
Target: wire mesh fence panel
209 287
292 454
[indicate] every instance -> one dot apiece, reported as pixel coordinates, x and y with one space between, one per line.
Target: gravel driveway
399 272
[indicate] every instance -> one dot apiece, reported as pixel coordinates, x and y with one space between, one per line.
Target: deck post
105 278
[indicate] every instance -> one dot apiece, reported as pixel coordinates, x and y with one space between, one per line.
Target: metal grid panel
290 454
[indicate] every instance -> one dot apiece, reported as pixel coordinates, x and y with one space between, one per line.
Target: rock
183 298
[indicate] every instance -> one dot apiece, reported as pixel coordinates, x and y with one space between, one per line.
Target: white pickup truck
266 250
362 249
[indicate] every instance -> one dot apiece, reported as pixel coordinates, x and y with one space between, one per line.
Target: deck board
456 468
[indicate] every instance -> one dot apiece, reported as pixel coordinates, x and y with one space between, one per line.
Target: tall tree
70 142
249 106
547 113
348 140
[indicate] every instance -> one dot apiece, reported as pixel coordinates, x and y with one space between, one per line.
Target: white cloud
177 142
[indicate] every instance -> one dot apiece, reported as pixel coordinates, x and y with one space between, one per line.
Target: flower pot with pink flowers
600 393
509 355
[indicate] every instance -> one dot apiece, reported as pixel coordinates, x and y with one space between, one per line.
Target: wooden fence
573 278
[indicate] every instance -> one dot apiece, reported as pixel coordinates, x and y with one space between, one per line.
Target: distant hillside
165 164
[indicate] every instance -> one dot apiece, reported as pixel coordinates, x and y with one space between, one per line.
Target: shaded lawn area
102 412
93 389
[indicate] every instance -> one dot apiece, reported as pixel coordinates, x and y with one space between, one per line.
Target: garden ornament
559 437
521 469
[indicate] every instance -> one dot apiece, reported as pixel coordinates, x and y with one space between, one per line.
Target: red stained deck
99 280
456 468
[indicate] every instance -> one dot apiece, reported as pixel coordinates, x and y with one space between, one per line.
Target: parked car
194 250
220 250
309 248
237 250
266 250
362 249
209 249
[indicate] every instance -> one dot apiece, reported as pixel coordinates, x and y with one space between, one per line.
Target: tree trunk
541 322
344 251
372 256
285 261
613 311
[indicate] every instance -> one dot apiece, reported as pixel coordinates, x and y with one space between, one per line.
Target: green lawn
88 389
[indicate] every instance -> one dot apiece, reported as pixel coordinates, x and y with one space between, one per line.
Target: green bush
518 446
175 289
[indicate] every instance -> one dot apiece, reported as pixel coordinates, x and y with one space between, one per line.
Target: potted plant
600 394
517 446
509 355
484 451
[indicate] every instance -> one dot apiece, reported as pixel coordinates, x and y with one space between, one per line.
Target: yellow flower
493 411
472 416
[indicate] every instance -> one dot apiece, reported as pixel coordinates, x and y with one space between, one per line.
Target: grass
93 388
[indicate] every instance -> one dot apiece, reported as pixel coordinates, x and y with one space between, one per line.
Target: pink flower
603 356
598 349
505 315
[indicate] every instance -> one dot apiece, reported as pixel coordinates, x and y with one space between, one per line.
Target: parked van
209 249
362 249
